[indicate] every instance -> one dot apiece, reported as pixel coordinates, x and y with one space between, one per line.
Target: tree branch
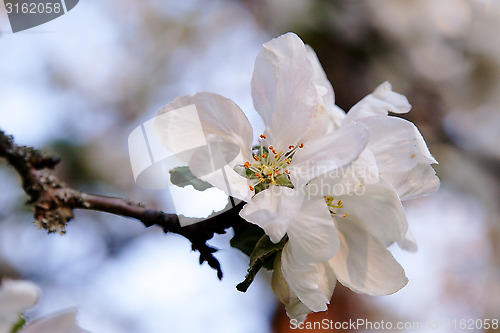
53 202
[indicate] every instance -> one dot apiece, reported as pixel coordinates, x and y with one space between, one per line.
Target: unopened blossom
16 296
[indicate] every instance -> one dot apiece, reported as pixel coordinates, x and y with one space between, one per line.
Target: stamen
264 155
345 215
258 175
301 145
251 188
255 158
262 136
247 165
291 147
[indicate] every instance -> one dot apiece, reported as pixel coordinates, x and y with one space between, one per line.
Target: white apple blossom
303 179
16 296
294 148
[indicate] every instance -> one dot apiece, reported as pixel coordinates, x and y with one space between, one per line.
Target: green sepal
18 325
262 255
244 172
246 237
283 180
182 177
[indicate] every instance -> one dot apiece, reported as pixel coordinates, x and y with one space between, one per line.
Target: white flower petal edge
312 283
415 183
295 309
379 103
282 90
216 120
377 210
273 209
64 322
333 151
409 242
402 156
15 297
326 97
397 144
364 264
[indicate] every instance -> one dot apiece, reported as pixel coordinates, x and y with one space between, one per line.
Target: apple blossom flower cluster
327 182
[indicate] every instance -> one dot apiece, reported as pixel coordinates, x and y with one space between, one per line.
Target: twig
53 202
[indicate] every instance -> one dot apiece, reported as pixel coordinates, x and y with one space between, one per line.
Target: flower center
334 207
269 167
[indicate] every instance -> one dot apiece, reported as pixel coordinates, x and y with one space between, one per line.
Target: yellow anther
413 156
287 172
345 215
262 136
247 165
255 158
339 203
291 146
251 188
262 180
258 175
264 155
271 148
301 145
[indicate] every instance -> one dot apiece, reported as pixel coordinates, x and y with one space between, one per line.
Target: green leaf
246 237
18 325
262 255
182 177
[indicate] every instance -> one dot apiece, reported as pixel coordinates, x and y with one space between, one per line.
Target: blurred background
77 86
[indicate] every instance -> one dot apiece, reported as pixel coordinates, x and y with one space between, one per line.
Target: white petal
313 232
273 209
224 177
320 80
335 150
396 144
326 95
208 132
364 264
377 209
295 309
408 243
15 298
220 119
312 283
61 323
414 183
379 103
282 90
